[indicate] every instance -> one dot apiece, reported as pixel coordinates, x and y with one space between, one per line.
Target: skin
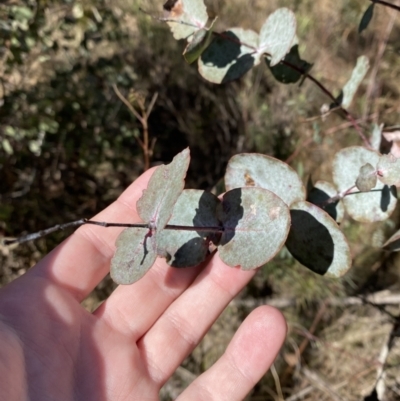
53 349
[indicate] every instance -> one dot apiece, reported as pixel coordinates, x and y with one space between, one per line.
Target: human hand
51 348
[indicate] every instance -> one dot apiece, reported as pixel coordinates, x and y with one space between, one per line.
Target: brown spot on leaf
173 8
249 181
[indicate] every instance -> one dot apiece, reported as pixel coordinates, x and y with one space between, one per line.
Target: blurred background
69 146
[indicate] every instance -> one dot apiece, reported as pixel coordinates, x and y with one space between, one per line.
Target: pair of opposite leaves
227 56
251 225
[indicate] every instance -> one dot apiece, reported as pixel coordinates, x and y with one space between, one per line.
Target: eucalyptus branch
348 115
351 119
343 194
290 65
339 196
77 223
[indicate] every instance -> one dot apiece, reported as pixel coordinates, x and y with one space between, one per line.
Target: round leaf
230 55
185 17
256 223
389 170
316 241
320 195
257 170
375 205
189 248
134 256
164 187
277 35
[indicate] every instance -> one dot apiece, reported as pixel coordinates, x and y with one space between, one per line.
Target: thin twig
146 148
143 119
347 124
127 104
378 58
81 222
277 382
321 384
298 149
289 369
43 233
380 385
352 120
151 105
301 394
385 3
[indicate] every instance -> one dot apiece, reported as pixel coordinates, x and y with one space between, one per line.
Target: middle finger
185 322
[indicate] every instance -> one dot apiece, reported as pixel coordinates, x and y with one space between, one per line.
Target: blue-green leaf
166 184
286 74
134 256
389 170
185 17
256 223
257 170
321 194
357 75
316 241
277 35
230 55
189 248
376 205
366 18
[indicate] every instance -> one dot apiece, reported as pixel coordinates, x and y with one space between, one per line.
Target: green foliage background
68 145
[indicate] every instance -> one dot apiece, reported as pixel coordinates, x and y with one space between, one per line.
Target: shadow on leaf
241 66
232 212
226 58
190 254
231 46
310 242
385 198
190 248
319 198
286 74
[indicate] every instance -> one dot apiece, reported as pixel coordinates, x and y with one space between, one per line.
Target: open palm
51 348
